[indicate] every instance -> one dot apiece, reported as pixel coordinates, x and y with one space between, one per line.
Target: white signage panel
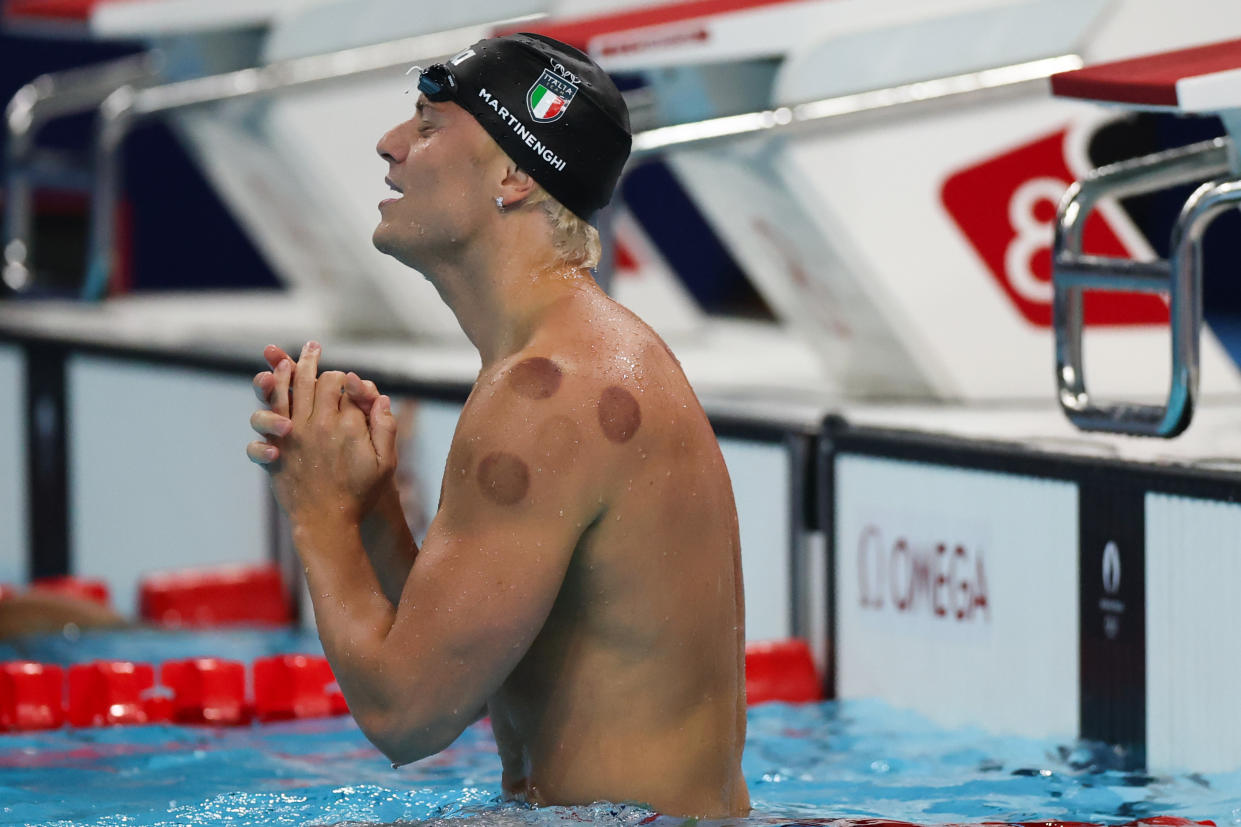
158 475
1193 652
13 494
761 474
957 594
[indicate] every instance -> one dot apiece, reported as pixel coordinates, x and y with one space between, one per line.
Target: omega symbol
1111 568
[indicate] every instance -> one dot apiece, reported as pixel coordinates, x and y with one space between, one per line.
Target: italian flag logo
549 97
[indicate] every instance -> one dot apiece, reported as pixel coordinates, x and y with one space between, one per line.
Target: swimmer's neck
500 293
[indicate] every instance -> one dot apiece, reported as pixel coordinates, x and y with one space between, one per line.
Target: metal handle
44 99
128 105
1180 277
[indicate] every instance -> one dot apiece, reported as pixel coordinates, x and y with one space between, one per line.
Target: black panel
827 524
1113 616
46 463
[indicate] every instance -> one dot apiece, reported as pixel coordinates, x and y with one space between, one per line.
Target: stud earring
499 203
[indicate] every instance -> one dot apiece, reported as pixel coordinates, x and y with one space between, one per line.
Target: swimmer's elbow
404 741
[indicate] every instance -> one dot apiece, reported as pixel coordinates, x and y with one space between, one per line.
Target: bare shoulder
592 391
615 369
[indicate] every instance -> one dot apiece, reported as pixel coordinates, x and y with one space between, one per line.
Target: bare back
633 689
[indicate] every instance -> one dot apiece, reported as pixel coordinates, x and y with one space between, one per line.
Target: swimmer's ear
516 186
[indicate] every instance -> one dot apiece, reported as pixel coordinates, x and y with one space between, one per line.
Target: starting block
1204 80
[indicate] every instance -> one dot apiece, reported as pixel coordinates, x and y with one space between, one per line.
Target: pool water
838 760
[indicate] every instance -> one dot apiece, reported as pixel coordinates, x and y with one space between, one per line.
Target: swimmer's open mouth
394 188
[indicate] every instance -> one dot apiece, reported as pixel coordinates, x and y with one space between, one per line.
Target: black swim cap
549 107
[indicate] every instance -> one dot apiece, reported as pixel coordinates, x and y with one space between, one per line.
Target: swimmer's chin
379 242
388 247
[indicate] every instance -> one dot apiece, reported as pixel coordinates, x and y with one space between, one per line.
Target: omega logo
943 579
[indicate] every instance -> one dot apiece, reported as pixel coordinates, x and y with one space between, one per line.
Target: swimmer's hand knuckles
337 459
362 392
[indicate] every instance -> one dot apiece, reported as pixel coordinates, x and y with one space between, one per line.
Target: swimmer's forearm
352 614
389 544
384 687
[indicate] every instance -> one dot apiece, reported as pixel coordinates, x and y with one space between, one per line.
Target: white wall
931 646
760 476
158 476
1193 652
14 511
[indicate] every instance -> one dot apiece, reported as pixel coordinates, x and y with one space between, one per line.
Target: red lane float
106 692
295 686
193 691
781 670
7 590
285 687
70 586
215 597
31 696
206 691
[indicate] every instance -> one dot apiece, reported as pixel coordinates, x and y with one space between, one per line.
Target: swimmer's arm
389 545
487 577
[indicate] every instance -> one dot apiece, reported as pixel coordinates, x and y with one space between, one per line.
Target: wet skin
581 577
633 687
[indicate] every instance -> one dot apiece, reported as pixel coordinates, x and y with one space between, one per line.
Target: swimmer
42 612
581 578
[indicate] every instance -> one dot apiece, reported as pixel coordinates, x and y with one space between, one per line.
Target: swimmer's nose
390 147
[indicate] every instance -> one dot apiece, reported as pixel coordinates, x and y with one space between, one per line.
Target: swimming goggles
436 82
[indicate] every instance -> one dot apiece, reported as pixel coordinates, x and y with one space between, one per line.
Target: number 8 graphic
1033 236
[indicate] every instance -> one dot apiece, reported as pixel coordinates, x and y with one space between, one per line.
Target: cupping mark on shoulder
504 478
535 378
620 416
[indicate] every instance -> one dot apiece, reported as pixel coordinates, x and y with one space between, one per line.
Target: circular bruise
619 414
535 378
503 478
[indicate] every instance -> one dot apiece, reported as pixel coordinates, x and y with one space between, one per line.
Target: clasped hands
329 441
